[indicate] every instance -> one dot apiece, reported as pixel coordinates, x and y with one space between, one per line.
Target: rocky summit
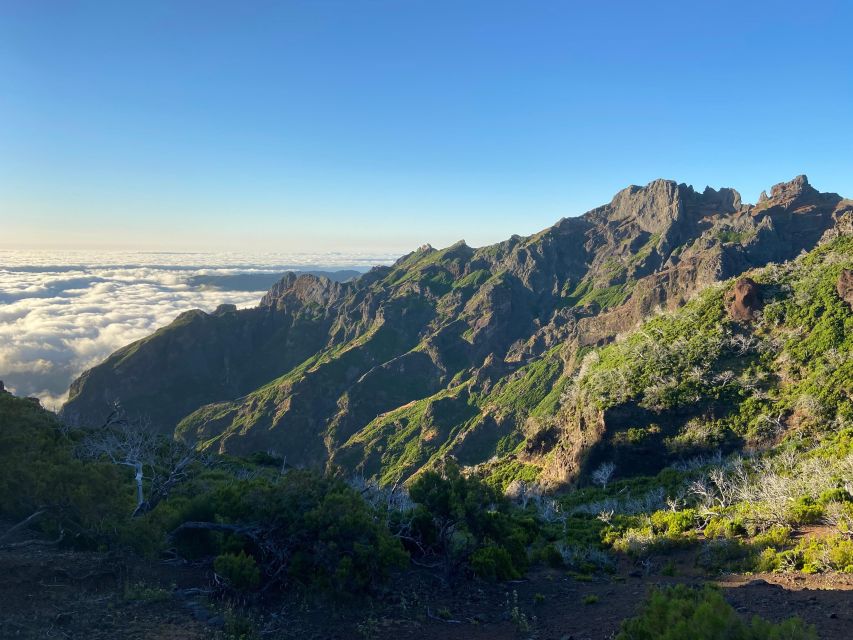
457 352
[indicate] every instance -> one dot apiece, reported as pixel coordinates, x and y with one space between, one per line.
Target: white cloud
61 313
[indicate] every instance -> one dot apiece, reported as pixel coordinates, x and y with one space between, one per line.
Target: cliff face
447 351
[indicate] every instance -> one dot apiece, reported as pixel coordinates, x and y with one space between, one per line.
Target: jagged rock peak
304 288
660 203
458 249
728 199
787 192
423 249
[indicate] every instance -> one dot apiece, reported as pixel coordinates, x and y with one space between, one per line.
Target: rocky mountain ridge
446 352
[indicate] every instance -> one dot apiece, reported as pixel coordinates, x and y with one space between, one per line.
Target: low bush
39 474
493 563
673 523
724 527
460 519
682 613
240 570
301 526
806 510
819 555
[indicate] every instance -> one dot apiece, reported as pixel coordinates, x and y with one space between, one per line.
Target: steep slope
747 364
455 351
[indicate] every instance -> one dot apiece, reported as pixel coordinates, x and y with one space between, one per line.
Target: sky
379 125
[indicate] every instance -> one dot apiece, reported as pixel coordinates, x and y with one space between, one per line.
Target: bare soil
50 593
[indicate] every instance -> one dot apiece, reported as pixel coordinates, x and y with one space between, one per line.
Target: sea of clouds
63 312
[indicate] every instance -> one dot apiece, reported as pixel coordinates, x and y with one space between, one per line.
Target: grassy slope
786 381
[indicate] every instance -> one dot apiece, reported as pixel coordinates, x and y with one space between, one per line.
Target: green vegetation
258 525
735 236
462 521
142 592
296 528
586 293
681 613
41 477
240 570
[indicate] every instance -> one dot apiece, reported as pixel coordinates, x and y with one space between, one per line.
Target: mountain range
485 355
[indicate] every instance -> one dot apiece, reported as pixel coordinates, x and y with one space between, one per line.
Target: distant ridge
432 356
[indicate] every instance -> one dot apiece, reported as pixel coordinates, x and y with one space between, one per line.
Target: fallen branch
23 523
29 543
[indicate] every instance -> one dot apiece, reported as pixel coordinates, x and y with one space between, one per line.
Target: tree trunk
139 498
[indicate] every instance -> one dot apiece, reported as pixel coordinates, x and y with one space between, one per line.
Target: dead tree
133 443
601 476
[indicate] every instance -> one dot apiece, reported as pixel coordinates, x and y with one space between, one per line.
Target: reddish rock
745 300
844 286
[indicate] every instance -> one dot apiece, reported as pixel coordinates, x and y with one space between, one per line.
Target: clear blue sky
369 125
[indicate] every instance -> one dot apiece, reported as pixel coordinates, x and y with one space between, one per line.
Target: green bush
776 536
457 516
723 527
38 472
806 510
834 495
240 570
493 563
725 555
682 613
818 555
768 560
327 536
673 523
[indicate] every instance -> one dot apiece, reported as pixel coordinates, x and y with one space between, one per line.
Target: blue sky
360 125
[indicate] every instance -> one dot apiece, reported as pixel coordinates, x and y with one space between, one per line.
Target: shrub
493 563
673 523
834 495
818 555
142 592
457 516
722 527
586 559
776 536
806 511
723 554
302 527
38 472
682 613
768 560
240 570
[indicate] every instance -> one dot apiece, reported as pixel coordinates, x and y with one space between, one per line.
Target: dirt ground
48 593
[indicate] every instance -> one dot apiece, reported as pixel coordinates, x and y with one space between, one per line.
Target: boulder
745 300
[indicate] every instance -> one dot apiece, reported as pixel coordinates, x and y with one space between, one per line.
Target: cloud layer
63 313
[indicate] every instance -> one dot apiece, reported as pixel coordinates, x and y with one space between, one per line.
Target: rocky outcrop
317 361
224 308
844 286
787 194
744 300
